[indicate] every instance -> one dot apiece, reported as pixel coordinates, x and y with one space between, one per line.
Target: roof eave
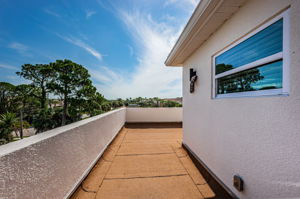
206 19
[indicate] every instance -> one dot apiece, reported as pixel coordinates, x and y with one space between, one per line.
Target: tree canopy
39 75
58 93
70 80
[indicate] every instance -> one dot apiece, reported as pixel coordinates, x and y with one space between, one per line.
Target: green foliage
39 75
106 106
8 123
117 103
20 125
70 80
25 124
93 104
220 68
44 121
69 83
166 103
151 102
6 96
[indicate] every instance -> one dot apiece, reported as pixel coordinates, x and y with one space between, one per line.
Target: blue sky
123 43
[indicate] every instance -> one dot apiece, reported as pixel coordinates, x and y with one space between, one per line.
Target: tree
40 75
240 82
93 104
8 122
17 128
87 102
168 103
106 106
69 80
220 68
23 93
44 121
71 87
6 97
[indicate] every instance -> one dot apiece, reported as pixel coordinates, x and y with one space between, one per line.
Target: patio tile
137 137
206 191
155 141
109 154
96 176
175 187
180 152
119 138
192 170
81 194
145 148
145 166
156 130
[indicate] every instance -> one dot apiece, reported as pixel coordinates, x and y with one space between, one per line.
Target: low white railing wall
154 115
52 164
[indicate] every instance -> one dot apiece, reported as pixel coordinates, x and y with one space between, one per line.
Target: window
256 64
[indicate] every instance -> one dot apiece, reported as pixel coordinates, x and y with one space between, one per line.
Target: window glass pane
263 44
265 77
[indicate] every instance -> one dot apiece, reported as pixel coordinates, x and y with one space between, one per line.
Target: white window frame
284 55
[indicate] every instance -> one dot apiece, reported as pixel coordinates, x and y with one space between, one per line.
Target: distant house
54 103
241 107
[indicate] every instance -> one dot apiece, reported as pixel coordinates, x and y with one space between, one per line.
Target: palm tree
8 122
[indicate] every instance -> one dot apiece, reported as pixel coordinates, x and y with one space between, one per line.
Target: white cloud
51 12
83 45
100 76
168 17
20 48
17 80
150 77
192 3
110 73
89 13
105 76
10 67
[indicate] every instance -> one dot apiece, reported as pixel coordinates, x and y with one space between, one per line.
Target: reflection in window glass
263 44
265 77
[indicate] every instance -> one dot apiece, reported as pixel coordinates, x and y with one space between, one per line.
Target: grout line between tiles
143 154
141 177
188 173
126 130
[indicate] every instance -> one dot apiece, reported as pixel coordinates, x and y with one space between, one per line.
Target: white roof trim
206 19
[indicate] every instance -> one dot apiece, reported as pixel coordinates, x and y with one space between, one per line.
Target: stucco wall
255 137
154 115
50 165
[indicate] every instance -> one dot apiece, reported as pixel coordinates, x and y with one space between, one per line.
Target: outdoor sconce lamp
193 79
238 183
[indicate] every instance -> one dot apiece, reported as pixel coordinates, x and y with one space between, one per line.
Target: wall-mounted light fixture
238 183
193 79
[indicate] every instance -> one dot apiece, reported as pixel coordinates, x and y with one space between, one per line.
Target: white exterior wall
154 115
51 164
255 137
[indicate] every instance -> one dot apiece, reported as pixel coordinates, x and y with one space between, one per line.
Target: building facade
243 117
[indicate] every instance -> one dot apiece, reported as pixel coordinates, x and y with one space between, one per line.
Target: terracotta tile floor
145 163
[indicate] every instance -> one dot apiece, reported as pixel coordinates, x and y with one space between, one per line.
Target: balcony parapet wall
147 115
52 164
